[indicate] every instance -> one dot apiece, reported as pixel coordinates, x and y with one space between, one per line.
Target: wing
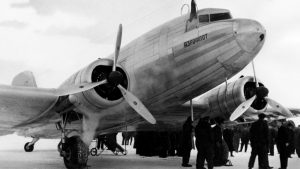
23 105
169 120
272 114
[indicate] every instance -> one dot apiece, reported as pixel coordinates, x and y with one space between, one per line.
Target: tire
59 148
94 151
76 153
28 148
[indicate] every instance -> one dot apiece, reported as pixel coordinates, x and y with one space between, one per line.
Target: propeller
240 110
137 105
114 79
278 107
261 94
118 46
77 88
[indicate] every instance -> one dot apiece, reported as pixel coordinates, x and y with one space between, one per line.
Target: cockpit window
203 18
219 16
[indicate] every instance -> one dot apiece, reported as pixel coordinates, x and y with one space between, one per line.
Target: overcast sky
55 38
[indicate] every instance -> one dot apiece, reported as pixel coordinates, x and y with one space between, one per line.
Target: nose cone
249 34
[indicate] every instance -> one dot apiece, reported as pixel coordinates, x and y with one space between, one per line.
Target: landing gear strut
29 146
73 150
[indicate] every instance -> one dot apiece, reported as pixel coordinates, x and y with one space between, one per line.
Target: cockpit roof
212 11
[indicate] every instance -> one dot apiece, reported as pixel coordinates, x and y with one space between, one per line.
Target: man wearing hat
259 143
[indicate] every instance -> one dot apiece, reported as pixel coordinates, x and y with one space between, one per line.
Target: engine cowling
223 100
104 95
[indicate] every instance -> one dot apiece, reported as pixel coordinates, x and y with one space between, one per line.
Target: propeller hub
262 92
115 78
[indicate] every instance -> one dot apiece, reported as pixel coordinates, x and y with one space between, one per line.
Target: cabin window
203 18
219 16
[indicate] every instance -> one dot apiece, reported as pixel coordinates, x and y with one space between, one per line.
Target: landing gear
73 150
59 149
75 153
29 146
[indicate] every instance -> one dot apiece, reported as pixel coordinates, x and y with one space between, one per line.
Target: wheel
125 152
28 148
76 153
94 151
59 148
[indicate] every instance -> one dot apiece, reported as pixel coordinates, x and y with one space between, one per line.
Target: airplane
159 72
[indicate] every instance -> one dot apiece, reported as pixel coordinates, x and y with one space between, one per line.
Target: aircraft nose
249 34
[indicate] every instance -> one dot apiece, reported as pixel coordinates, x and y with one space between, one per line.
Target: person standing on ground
291 147
297 140
283 141
236 137
244 138
204 144
219 158
228 137
271 137
187 139
259 142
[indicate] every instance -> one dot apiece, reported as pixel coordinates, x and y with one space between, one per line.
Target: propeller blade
255 79
278 107
118 46
137 105
242 108
77 88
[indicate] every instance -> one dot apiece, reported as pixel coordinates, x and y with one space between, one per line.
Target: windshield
203 18
214 17
219 16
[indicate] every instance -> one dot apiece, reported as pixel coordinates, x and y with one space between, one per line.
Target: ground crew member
259 142
219 159
283 141
228 137
244 138
271 137
187 139
204 144
297 140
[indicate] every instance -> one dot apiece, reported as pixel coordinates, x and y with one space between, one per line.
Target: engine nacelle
223 100
104 95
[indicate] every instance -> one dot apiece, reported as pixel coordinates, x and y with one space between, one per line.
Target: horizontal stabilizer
25 78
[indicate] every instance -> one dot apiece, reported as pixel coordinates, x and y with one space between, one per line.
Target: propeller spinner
261 94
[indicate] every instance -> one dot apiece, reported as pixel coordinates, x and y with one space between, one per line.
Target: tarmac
50 159
45 156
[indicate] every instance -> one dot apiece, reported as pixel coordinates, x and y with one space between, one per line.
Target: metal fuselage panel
169 66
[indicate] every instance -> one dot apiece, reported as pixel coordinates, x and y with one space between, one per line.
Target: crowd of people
215 142
260 134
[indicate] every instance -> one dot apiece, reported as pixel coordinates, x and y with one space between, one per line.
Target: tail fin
25 78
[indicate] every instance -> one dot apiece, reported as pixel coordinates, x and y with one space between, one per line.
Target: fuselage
170 64
182 59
